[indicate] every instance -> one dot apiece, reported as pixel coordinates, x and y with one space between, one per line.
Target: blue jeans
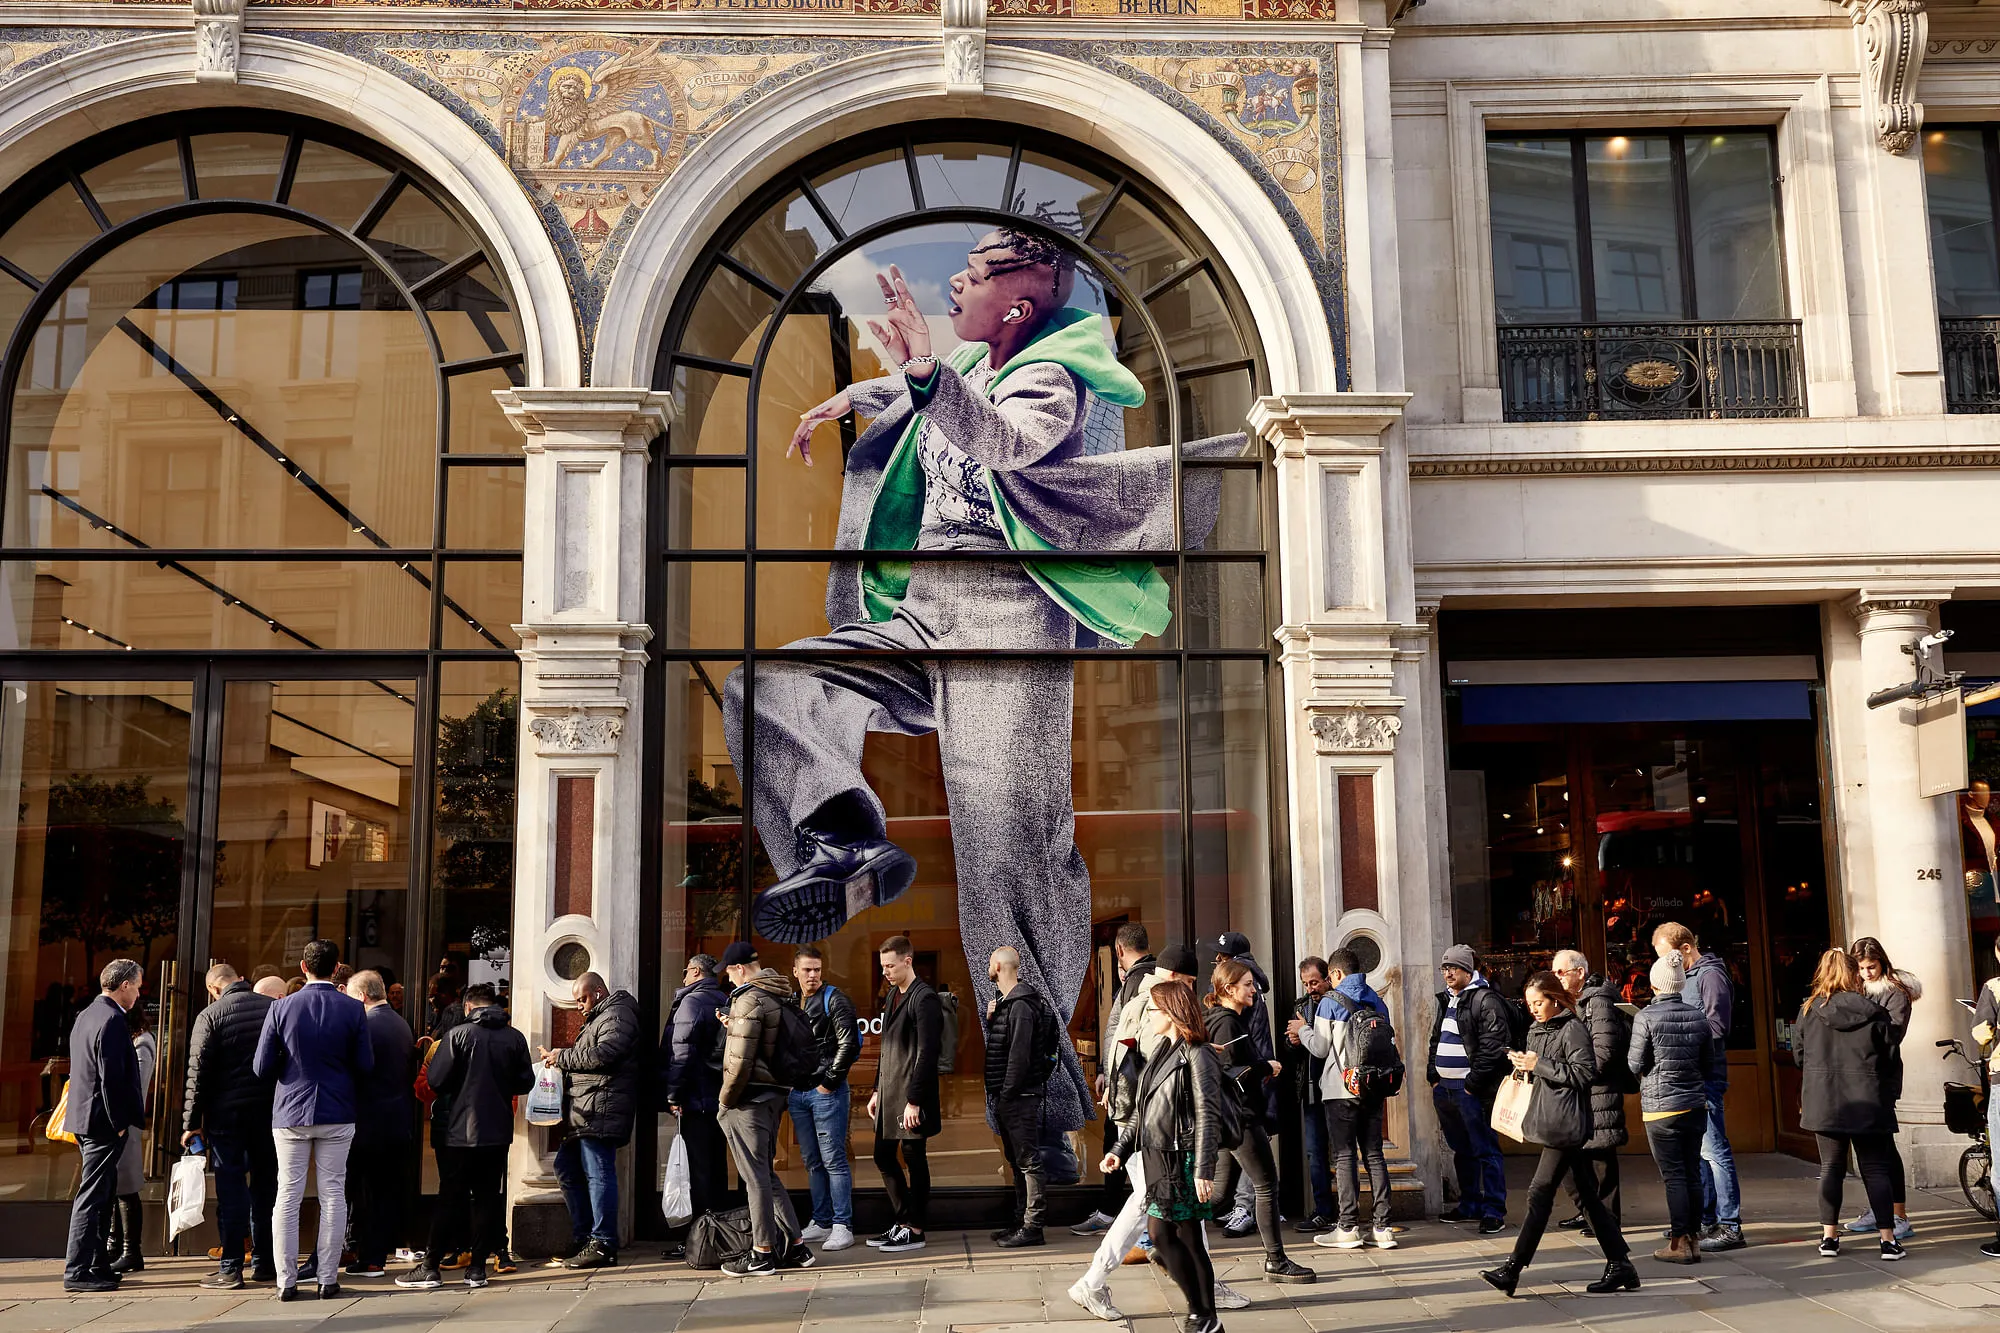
1721 1196
588 1171
1319 1170
819 1119
1482 1176
246 1189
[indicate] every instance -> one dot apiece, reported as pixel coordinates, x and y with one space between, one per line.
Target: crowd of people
327 1075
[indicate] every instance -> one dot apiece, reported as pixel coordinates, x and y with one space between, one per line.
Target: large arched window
1048 717
259 570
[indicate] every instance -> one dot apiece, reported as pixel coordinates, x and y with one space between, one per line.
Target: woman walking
1562 1065
1175 1123
1895 991
1233 991
1674 1056
122 1253
1846 1066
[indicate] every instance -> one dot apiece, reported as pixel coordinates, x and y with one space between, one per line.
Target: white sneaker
815 1232
1383 1238
1340 1238
839 1238
1095 1299
1229 1298
1096 1224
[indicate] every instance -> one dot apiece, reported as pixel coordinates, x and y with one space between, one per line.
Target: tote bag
57 1129
1510 1108
187 1193
545 1103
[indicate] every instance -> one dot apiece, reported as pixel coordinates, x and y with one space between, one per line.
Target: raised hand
833 409
902 331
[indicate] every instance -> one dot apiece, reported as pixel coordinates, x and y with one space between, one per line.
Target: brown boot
1679 1250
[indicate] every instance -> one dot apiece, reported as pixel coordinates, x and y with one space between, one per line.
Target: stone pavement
962 1285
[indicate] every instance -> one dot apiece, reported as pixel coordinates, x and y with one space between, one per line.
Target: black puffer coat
1609 1041
1673 1053
223 1096
1565 1067
1846 1060
1175 1110
1010 1045
603 1069
481 1066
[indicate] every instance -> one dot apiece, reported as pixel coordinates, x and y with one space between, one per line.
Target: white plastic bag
677 1192
187 1193
545 1103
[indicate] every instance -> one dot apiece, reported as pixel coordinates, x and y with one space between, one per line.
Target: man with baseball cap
1468 1060
752 1100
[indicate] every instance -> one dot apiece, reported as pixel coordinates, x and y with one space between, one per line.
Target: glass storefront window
1959 191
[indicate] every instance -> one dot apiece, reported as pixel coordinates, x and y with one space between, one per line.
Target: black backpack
1516 1014
715 1237
795 1059
1048 1041
1619 1077
1379 1072
948 1033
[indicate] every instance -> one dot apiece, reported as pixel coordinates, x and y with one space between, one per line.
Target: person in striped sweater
1468 1059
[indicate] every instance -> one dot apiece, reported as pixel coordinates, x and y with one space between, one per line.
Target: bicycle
1965 1113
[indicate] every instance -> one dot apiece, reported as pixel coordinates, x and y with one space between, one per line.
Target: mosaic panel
26 49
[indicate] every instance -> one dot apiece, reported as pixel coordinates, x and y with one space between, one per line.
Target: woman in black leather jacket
1563 1065
1233 991
1175 1121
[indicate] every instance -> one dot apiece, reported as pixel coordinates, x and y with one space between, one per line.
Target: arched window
1013 656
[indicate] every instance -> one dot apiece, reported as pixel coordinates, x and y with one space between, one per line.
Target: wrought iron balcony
1637 372
1971 364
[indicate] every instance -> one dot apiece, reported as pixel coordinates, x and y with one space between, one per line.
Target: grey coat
1673 1053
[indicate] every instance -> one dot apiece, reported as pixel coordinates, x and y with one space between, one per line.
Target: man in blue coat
314 1044
104 1105
690 1078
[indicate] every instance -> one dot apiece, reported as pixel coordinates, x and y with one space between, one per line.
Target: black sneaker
836 882
1991 1249
750 1263
329 1291
1829 1247
878 1242
89 1285
1492 1226
1313 1225
421 1278
359 1269
1024 1238
263 1273
1577 1223
1456 1215
475 1276
1892 1250
904 1239
1723 1236
594 1255
224 1279
800 1255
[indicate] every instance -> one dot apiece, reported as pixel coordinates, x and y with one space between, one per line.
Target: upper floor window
1640 275
1960 181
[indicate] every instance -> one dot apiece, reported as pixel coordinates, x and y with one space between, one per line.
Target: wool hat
1668 975
1178 958
1461 955
740 954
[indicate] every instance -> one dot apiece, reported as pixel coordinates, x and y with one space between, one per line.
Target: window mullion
1684 224
1586 260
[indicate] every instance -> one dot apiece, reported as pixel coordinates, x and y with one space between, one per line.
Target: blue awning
1653 701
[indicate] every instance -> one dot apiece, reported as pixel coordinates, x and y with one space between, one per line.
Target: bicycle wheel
1975 1177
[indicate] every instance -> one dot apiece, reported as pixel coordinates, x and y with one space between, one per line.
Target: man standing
1021 1052
603 1095
230 1107
1132 950
819 1113
1467 1062
904 1105
1709 990
690 1077
1353 1120
384 1129
103 1106
1242 1219
482 1064
1610 1039
1312 1119
314 1044
753 1099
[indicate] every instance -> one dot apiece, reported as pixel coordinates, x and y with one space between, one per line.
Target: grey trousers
752 1133
1003 729
324 1147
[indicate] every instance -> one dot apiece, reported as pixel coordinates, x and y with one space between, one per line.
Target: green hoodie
1121 600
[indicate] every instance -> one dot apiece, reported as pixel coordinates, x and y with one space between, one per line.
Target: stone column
1351 648
576 860
1899 876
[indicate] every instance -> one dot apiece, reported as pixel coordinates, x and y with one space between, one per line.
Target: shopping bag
58 1127
545 1103
1510 1108
677 1192
187 1192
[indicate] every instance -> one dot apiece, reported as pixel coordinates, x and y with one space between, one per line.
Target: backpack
715 1237
947 1062
1048 1042
1379 1072
1620 1078
795 1056
1516 1014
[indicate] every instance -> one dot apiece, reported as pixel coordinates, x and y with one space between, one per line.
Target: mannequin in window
986 448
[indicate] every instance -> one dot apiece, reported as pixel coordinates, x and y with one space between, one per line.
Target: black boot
131 1217
1504 1278
1619 1275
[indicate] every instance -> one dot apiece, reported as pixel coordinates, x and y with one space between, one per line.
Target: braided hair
1031 250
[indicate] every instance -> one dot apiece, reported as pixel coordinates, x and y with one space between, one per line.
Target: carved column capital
624 419
218 39
1894 34
964 46
1901 610
1355 730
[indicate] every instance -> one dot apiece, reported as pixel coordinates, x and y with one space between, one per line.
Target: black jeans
246 1190
1253 1158
708 1161
1900 1178
1354 1128
377 1177
1179 1248
1111 1195
1555 1164
1872 1156
1676 1145
1021 1136
471 1194
1602 1164
90 1213
909 1197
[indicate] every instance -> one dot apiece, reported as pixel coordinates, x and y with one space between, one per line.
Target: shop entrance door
177 814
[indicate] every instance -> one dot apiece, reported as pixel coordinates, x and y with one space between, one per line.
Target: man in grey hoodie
1708 988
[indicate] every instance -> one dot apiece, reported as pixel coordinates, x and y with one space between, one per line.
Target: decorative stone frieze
1356 731
1894 37
579 732
1491 465
218 39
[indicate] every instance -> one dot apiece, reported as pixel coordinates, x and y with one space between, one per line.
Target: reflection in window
193 329
329 346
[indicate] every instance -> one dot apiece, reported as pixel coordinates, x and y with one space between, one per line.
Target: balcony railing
1971 364
1637 372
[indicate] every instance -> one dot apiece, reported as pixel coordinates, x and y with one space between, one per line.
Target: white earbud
1012 315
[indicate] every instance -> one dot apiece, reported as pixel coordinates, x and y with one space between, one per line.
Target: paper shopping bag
1510 1108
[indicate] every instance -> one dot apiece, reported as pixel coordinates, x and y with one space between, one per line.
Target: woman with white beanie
1674 1056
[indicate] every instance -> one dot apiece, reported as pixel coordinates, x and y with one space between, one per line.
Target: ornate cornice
1864 606
1894 37
1356 731
1843 461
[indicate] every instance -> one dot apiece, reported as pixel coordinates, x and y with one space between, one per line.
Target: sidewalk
1428 1285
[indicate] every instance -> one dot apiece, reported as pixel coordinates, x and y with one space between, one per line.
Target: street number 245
1931 872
